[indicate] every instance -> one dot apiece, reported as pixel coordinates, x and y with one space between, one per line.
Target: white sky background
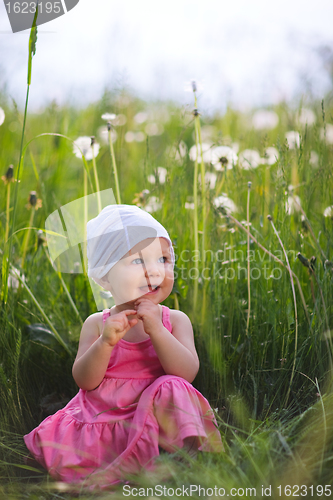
250 53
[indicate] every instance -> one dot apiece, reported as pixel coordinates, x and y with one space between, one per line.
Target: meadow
254 268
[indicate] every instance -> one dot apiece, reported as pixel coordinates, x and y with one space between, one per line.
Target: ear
105 283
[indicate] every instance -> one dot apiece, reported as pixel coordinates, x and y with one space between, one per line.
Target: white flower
328 212
271 156
293 203
141 117
329 133
154 129
103 134
178 153
223 156
207 132
314 158
13 281
161 173
140 137
293 139
2 116
210 179
306 116
206 152
265 120
82 146
189 206
250 158
225 202
153 204
134 136
116 120
109 117
235 147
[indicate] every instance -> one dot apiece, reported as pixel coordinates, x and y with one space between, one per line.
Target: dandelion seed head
82 146
223 156
328 212
293 204
210 179
306 117
103 134
314 158
208 132
153 204
141 117
161 173
130 136
154 129
265 120
139 137
2 116
293 139
249 158
329 133
109 117
225 202
189 206
177 153
271 156
197 153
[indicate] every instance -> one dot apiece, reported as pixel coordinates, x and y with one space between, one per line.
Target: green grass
275 433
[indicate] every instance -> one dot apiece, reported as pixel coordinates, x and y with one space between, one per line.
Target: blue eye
166 258
133 261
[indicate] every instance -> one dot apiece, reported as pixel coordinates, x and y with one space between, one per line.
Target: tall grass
264 368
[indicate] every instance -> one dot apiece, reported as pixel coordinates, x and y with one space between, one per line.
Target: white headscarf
116 230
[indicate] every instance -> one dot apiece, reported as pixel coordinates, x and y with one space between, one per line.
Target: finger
130 311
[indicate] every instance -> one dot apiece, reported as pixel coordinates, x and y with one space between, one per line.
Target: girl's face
146 270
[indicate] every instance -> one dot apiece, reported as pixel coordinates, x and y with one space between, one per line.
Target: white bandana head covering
116 230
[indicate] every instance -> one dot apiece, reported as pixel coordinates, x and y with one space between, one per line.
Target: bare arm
176 351
94 350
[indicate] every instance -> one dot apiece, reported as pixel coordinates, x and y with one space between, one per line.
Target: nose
152 269
154 273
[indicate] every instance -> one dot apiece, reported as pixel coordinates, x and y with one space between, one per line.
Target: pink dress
117 428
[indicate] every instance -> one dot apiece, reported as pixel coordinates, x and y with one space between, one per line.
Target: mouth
150 289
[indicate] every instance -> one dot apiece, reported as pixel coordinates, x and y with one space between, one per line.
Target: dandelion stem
27 236
85 220
203 191
195 197
7 211
309 227
114 167
65 288
295 306
39 307
8 248
97 184
248 261
277 260
196 239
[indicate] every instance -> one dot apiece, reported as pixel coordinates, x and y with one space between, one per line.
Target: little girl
134 365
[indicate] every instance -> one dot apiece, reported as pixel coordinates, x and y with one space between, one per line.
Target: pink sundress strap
106 314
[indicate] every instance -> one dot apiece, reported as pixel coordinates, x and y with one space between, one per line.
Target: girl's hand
116 326
149 313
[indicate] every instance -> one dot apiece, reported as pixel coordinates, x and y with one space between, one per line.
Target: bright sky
248 52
